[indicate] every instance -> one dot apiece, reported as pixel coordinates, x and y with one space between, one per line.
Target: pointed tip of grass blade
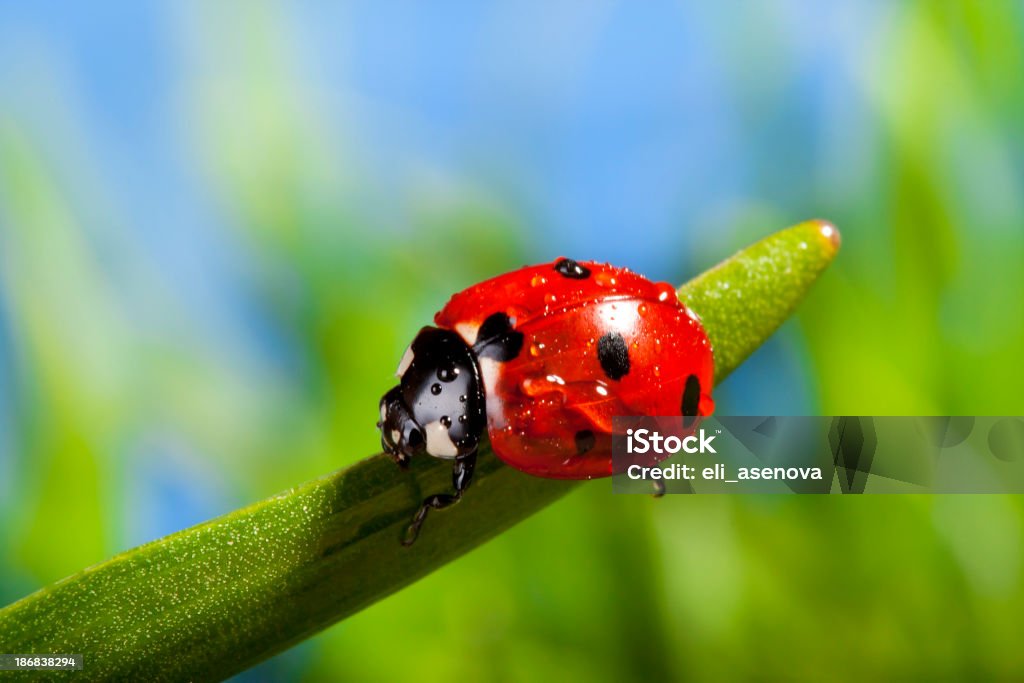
745 298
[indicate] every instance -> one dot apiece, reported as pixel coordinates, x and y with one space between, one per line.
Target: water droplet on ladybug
657 371
447 374
514 313
538 281
435 389
536 348
605 279
446 421
463 398
462 418
550 298
641 310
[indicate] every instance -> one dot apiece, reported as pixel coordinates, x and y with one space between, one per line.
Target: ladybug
541 359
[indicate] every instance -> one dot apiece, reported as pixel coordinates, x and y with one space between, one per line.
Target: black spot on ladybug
584 441
497 340
571 269
691 400
614 357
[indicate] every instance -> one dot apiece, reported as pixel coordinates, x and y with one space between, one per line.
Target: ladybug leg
462 475
659 487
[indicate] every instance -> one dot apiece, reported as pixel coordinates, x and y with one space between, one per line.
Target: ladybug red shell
543 358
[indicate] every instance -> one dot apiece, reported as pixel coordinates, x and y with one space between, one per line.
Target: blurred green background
220 224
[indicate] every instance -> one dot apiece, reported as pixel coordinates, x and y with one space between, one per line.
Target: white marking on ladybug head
468 332
490 369
439 443
395 436
406 361
383 413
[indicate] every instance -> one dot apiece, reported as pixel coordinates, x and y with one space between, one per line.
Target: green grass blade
745 298
215 599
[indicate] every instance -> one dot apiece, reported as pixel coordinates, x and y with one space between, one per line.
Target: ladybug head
438 406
